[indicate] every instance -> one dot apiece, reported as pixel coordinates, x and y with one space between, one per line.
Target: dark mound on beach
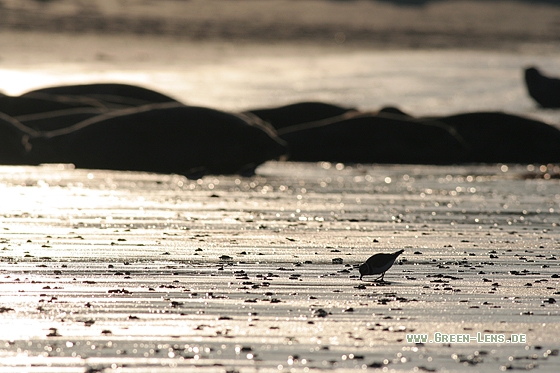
301 112
373 138
544 90
112 95
161 138
496 137
391 136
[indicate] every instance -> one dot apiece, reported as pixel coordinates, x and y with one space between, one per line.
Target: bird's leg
380 277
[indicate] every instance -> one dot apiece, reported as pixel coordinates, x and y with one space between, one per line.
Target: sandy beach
115 271
106 271
389 24
438 58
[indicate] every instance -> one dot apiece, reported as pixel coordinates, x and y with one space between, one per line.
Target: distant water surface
238 77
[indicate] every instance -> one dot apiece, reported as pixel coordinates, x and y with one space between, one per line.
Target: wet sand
116 271
419 71
131 272
503 25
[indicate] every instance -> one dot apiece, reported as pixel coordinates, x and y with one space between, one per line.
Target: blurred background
427 57
371 23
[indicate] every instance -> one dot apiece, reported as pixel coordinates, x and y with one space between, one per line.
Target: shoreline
145 272
238 77
471 24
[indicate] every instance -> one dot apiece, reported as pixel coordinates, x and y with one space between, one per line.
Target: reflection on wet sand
131 271
224 273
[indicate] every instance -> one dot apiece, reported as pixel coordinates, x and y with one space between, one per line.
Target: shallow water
245 76
134 272
130 272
